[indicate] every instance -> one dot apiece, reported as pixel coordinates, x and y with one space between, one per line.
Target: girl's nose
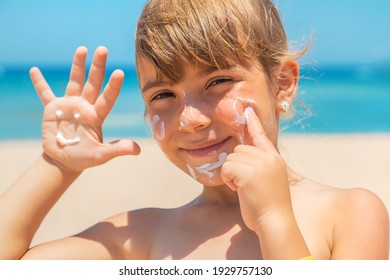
193 119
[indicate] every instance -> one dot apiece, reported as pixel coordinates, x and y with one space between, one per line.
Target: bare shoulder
358 217
341 198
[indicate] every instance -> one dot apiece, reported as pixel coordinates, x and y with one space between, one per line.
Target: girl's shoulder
345 196
355 218
344 200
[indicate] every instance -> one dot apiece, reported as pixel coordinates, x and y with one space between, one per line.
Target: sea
331 99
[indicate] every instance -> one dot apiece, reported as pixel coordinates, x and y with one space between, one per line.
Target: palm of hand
87 128
72 125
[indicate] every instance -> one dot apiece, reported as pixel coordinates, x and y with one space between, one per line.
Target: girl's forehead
148 72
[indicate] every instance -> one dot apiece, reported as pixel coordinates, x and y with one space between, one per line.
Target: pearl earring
285 106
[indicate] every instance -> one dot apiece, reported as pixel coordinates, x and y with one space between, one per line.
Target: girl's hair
217 33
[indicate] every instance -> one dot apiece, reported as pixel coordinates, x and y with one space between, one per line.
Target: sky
48 31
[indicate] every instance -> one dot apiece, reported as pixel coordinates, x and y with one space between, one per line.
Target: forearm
26 203
280 237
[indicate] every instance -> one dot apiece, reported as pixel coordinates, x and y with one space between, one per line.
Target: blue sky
48 31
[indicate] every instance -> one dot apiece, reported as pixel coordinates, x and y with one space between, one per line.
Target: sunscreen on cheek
158 128
238 106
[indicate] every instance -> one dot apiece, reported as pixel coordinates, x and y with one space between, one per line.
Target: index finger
256 130
106 100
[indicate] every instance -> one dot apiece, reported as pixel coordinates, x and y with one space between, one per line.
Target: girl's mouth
201 149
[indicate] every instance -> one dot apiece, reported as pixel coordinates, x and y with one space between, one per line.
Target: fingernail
248 110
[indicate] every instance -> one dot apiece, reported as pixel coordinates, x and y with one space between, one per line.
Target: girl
215 77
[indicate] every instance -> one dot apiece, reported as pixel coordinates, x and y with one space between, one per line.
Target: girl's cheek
158 128
232 109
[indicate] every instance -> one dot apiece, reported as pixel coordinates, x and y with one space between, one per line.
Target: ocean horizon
335 98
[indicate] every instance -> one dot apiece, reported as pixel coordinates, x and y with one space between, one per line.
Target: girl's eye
219 81
163 95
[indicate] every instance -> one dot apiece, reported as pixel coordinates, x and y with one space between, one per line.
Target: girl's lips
205 148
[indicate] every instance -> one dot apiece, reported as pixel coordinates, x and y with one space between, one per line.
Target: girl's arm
26 203
72 141
259 175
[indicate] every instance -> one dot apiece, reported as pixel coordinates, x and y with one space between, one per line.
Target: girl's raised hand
259 174
72 124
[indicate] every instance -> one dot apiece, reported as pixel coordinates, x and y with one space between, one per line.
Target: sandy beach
150 180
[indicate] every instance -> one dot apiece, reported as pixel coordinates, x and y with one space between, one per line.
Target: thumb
117 148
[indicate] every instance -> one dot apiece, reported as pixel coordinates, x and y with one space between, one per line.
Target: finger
247 154
256 131
96 75
118 148
77 73
110 94
41 86
231 174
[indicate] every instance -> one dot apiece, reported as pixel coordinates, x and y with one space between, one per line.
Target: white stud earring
285 106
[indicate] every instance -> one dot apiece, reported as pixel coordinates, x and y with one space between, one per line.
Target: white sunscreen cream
64 141
187 114
76 115
192 172
59 114
240 118
158 128
208 168
60 137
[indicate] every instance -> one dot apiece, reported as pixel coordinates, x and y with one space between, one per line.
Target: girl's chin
210 181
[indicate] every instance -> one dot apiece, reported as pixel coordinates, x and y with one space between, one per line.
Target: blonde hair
217 33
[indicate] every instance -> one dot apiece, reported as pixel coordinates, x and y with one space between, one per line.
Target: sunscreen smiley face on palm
61 139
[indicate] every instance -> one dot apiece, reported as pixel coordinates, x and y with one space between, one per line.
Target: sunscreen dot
76 115
59 113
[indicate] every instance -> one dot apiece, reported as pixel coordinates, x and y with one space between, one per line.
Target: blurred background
345 77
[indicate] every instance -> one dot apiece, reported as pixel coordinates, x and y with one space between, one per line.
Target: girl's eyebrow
209 70
155 83
205 71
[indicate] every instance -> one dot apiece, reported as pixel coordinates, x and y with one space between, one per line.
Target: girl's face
199 120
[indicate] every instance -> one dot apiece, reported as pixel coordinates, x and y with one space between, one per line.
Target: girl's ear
287 82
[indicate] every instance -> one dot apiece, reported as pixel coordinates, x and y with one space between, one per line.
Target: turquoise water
346 99
21 109
349 99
